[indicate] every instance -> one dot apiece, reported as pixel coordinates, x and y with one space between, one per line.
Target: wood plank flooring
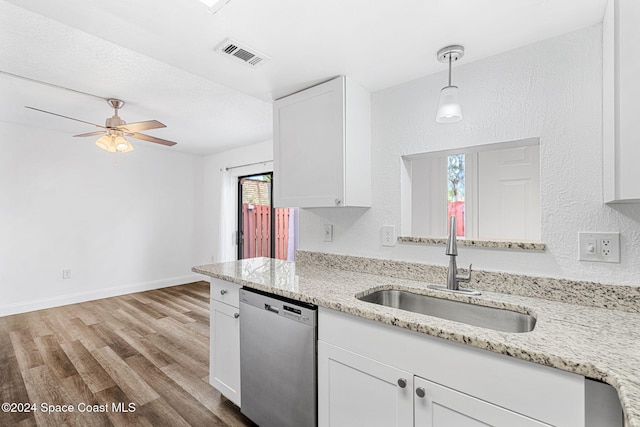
138 359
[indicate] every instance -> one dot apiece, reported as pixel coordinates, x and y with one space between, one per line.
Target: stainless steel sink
472 314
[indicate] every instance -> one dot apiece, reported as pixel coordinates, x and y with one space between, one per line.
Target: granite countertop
598 343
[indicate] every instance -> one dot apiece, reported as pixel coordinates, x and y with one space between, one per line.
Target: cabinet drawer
226 292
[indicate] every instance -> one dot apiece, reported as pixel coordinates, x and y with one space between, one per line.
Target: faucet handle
465 278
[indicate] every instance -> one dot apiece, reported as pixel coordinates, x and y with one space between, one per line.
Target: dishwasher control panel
294 313
297 311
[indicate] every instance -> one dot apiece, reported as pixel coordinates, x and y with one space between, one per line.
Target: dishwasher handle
271 308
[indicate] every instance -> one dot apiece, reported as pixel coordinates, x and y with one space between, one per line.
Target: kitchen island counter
598 343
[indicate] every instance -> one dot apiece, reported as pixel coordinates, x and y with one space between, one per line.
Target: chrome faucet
453 278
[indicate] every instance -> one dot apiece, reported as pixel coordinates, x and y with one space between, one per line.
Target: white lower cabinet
438 406
224 323
372 374
357 391
363 392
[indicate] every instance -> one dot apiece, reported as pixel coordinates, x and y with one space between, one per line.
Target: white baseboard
40 304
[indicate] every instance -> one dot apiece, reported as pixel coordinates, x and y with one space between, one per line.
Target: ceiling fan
115 129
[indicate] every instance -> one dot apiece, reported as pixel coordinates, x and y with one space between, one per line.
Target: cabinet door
621 89
224 372
308 140
438 406
356 391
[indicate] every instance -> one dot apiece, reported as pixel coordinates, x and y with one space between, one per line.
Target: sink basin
477 315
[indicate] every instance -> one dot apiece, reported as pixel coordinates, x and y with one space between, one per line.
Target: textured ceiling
158 55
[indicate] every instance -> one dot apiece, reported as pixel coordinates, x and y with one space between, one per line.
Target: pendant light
449 108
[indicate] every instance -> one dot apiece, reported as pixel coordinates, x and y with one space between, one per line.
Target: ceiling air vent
241 53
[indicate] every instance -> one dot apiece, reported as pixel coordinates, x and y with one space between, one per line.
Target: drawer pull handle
223 291
420 392
236 315
402 382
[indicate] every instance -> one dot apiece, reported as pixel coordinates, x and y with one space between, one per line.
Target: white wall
119 229
220 197
552 90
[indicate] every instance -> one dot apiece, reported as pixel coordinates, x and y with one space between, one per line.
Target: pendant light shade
449 108
106 143
123 145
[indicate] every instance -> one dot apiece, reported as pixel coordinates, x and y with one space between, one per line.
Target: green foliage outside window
455 178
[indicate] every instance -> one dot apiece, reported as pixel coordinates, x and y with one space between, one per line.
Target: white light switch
388 235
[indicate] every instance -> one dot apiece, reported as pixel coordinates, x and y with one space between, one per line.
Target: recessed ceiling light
215 5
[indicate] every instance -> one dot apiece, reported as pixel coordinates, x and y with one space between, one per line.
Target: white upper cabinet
322 146
621 91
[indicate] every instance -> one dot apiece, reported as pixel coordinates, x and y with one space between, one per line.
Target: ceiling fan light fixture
112 136
122 144
106 143
449 108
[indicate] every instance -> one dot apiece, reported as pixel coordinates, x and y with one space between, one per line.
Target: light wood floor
149 349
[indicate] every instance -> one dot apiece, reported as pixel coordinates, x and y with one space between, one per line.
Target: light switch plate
599 247
328 233
388 235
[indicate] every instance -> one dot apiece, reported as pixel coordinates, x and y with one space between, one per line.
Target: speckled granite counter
598 343
521 246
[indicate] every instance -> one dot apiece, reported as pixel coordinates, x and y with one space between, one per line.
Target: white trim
40 304
526 142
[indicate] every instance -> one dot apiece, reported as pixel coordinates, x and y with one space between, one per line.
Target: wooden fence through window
456 209
256 236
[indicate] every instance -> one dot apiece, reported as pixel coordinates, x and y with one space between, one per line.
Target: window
493 190
455 191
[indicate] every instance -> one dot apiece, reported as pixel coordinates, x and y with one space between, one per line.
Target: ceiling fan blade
152 139
100 132
65 117
140 126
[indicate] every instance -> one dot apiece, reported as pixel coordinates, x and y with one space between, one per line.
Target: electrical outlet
599 247
66 273
388 235
328 233
610 248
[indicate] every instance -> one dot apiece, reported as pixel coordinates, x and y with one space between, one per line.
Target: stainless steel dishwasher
278 350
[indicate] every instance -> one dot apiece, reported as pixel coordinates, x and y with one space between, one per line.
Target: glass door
262 230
